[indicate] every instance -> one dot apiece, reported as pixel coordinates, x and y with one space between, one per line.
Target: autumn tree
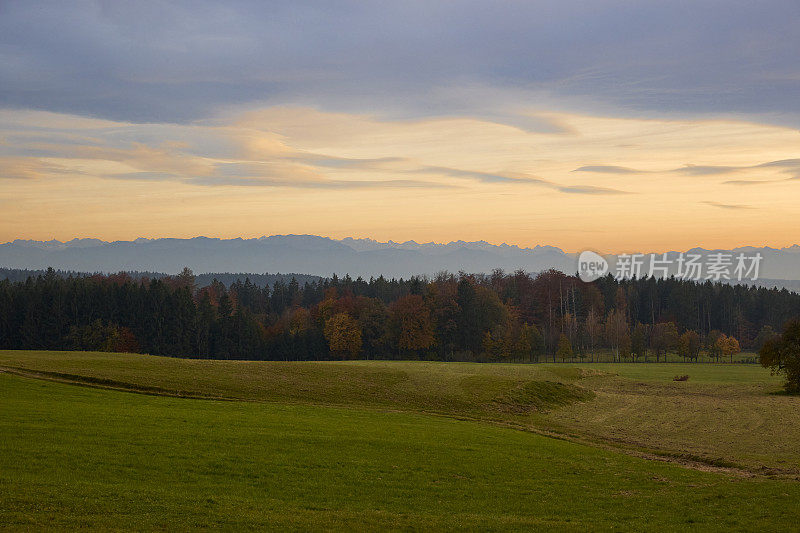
728 346
503 335
299 320
689 345
343 335
121 339
564 350
496 345
410 325
530 343
713 344
664 339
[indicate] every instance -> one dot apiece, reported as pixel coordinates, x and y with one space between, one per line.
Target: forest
549 316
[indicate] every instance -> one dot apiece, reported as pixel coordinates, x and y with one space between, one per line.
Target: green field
401 445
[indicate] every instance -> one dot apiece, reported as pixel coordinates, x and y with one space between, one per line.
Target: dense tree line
228 278
500 316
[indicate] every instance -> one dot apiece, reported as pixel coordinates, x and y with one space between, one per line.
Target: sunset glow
610 182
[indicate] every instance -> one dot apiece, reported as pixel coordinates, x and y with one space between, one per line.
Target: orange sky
645 185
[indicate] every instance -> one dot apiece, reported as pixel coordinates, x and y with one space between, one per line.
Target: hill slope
725 414
79 457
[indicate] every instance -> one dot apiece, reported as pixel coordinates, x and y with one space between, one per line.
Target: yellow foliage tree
564 350
343 335
728 346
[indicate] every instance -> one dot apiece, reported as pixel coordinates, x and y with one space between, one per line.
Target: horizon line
392 242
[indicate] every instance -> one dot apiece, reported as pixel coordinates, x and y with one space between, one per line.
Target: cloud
273 160
526 122
277 173
783 163
485 177
588 189
24 168
321 160
729 206
144 176
789 165
704 170
490 177
188 60
218 181
608 169
759 182
748 182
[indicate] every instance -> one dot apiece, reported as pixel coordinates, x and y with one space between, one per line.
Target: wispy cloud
143 176
329 161
759 182
25 168
485 177
704 170
588 189
220 181
748 182
729 206
520 179
782 163
788 165
608 169
274 174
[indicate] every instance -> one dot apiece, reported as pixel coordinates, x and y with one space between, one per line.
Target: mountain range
322 256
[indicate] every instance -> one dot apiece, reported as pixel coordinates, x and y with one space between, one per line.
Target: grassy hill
391 445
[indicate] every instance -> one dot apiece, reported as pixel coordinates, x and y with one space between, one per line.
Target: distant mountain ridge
323 256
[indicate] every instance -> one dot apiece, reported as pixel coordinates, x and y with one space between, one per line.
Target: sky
608 125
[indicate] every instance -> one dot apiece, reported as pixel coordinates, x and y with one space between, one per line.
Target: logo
591 266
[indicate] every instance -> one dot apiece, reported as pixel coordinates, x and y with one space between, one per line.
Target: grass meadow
122 441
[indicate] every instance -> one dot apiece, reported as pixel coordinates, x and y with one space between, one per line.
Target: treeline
227 278
497 317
